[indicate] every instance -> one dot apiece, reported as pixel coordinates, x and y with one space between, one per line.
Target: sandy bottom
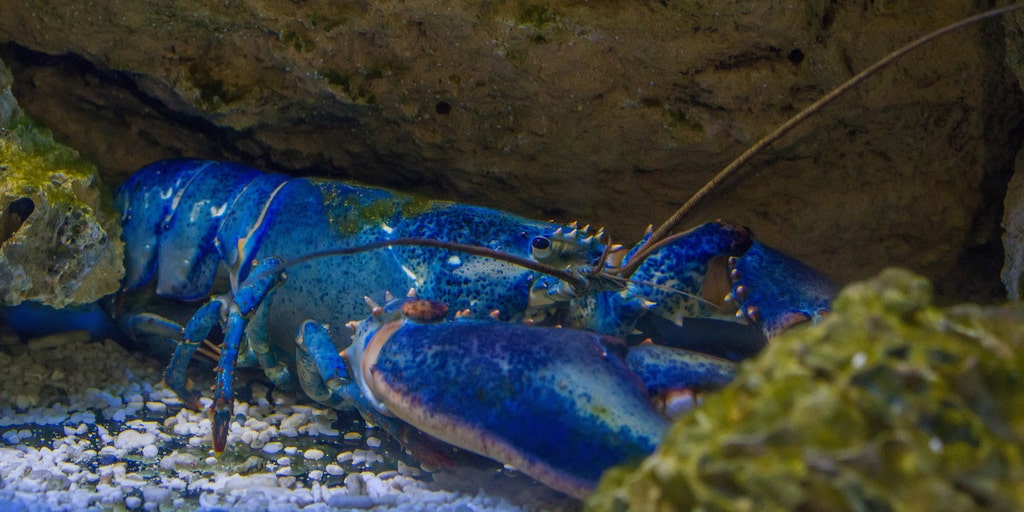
90 426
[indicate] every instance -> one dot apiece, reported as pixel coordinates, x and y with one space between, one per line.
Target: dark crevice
976 276
19 57
12 218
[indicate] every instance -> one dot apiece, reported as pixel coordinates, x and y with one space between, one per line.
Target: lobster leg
775 291
320 368
262 350
197 329
233 313
223 390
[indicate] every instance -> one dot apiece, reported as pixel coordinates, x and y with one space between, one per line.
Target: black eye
540 247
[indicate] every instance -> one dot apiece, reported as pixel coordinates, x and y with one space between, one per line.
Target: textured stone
609 112
1013 235
1013 203
888 389
59 233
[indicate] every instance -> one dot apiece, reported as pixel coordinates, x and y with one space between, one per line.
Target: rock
59 233
1013 234
610 113
1013 203
889 404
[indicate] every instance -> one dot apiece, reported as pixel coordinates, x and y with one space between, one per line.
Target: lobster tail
183 217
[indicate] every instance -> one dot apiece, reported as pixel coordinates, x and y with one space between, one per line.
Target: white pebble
334 469
131 440
150 451
172 401
313 454
156 406
290 450
373 442
133 502
272 448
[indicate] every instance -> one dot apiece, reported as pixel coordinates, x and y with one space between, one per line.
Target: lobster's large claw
776 291
554 403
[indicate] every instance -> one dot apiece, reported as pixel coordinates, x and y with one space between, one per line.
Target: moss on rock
889 404
60 237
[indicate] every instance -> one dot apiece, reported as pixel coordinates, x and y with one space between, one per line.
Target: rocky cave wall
608 112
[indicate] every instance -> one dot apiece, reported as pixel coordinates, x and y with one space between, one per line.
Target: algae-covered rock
60 238
889 404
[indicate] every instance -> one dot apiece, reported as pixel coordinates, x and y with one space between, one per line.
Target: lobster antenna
735 166
577 282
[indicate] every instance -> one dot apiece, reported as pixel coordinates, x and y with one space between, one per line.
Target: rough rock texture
610 112
1013 235
60 236
1013 204
889 404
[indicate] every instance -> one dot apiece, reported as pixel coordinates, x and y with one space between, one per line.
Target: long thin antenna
735 166
577 282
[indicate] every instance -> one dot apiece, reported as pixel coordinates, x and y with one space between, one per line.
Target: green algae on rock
888 404
60 238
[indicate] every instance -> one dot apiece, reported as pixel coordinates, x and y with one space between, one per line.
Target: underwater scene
511 255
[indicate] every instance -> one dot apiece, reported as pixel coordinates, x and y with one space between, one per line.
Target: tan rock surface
610 112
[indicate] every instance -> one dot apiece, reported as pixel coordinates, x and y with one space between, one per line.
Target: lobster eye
540 247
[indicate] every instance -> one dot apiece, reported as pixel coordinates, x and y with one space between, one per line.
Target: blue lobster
560 404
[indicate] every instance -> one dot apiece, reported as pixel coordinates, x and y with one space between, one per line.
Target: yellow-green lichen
59 231
889 404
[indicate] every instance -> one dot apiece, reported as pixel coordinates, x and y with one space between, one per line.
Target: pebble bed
90 426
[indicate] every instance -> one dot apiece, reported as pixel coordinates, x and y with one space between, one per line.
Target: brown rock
609 112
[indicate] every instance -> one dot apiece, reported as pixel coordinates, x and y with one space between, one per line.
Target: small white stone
211 460
156 406
273 447
131 440
334 469
133 502
373 442
290 450
313 454
150 451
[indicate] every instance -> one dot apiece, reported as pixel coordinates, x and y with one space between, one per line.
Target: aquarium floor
90 426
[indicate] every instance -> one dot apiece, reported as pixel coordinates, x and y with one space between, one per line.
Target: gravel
90 426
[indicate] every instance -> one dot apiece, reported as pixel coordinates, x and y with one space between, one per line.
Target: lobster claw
556 404
775 291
